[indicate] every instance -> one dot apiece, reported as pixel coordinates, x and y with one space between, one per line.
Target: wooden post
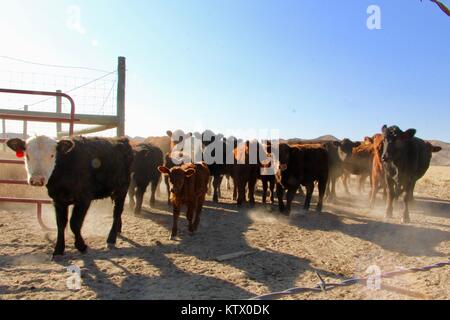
58 110
25 125
121 69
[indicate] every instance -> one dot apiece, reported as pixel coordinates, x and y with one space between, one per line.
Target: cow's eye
52 156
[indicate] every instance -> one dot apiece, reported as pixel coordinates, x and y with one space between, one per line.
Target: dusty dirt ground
340 243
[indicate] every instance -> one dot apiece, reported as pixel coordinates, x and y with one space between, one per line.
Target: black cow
147 159
301 165
76 172
339 152
406 159
214 155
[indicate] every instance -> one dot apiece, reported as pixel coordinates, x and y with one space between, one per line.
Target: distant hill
441 158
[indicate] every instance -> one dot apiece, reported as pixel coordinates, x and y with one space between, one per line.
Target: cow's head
393 141
177 176
41 153
284 153
345 148
377 145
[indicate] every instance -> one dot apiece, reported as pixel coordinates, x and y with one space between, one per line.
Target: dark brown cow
245 172
301 165
189 185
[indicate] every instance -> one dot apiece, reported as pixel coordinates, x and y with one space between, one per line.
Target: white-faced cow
406 159
76 172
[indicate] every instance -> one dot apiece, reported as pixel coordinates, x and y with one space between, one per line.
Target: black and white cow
406 159
76 172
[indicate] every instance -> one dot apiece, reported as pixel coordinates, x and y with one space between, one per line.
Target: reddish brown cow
189 185
378 180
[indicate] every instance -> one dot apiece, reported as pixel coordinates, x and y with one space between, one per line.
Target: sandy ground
340 243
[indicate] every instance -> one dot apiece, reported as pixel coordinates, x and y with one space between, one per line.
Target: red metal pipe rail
43 119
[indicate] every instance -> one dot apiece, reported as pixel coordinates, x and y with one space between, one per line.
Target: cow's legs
322 187
154 188
241 192
374 190
132 193
216 187
345 182
280 196
409 191
265 184
190 217
210 182
309 193
139 199
76 222
198 212
390 199
61 221
176 215
166 181
251 191
119 199
272 188
289 198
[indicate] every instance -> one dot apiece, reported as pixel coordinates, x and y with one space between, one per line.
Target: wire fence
94 90
323 286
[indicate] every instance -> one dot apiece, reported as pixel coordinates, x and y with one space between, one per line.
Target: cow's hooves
110 246
82 248
57 257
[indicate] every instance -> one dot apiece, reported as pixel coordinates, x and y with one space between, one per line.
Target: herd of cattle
80 170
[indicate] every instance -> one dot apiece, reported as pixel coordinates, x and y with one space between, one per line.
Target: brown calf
189 184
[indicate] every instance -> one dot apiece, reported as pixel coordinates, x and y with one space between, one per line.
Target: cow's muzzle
283 167
37 181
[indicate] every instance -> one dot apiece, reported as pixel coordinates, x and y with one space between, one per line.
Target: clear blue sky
305 67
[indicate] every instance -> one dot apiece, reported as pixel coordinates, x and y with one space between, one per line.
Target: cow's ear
169 133
163 170
408 134
356 144
65 146
189 172
336 143
368 140
435 149
384 128
16 145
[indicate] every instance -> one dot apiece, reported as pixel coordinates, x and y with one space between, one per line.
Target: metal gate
35 117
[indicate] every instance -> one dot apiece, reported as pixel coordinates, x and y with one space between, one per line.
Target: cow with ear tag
406 159
76 172
188 186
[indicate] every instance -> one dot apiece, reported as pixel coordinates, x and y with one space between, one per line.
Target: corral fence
98 123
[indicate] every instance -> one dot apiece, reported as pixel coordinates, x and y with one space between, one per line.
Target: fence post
58 110
4 133
25 125
121 69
